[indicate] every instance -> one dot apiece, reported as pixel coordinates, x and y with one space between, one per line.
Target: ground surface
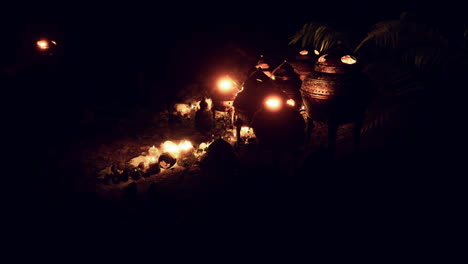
402 191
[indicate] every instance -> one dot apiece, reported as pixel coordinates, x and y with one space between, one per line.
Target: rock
152 170
166 160
134 173
187 160
124 176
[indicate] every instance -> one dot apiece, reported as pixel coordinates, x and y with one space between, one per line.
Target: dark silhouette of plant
403 56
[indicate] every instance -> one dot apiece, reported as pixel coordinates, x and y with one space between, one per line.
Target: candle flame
171 147
304 52
42 44
185 145
291 102
348 59
225 84
183 108
273 103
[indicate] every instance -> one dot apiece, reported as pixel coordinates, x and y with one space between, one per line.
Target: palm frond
384 34
395 82
316 35
401 34
427 59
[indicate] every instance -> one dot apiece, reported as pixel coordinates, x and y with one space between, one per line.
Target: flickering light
273 103
203 146
246 133
153 151
291 102
316 52
304 52
263 66
150 160
183 108
225 84
53 42
42 44
322 58
185 145
170 147
348 59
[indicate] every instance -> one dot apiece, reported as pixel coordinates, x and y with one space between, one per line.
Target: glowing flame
263 66
246 131
322 58
203 146
209 101
42 44
348 59
269 74
185 145
291 102
316 52
225 84
150 160
183 108
273 103
171 147
175 149
53 42
304 52
153 151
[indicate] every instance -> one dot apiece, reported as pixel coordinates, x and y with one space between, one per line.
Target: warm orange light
185 145
183 108
322 58
263 66
348 59
153 151
176 149
291 102
304 52
316 52
150 160
225 84
43 44
246 133
170 147
273 103
53 42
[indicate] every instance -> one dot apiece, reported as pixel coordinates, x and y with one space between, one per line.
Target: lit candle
153 151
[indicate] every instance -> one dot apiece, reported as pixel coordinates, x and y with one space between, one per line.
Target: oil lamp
42 44
289 82
45 46
336 92
224 94
273 103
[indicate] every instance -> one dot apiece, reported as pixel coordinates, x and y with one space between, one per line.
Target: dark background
116 58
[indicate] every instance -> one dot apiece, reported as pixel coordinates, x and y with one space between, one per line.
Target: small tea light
273 103
42 44
153 151
290 102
